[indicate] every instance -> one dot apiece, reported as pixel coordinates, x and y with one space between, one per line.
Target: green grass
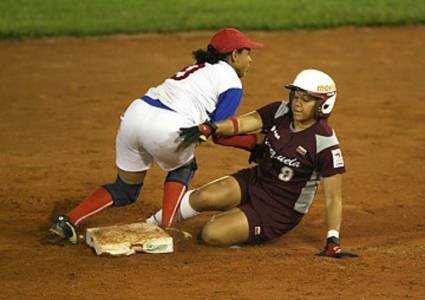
36 18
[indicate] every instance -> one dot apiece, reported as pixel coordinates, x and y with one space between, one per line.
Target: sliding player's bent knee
183 174
202 200
227 228
211 235
123 193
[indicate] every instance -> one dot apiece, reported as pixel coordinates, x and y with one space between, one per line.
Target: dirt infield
60 106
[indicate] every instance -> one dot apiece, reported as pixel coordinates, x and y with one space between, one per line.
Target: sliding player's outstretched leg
222 194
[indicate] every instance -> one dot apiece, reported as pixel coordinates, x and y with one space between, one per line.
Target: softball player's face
302 107
241 62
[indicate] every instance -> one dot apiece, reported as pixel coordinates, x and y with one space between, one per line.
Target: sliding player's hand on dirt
333 249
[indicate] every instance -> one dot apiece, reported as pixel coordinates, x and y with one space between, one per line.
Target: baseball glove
197 134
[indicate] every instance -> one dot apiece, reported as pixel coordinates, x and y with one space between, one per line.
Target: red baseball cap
228 39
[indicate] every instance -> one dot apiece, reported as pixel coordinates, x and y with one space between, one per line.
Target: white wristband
333 233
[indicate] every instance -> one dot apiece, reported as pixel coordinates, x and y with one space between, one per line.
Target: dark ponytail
210 56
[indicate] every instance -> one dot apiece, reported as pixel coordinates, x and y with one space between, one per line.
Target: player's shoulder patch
323 142
282 110
338 160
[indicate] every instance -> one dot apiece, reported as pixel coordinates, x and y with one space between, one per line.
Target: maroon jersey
294 161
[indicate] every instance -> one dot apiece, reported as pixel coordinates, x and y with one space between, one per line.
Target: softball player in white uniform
208 91
150 128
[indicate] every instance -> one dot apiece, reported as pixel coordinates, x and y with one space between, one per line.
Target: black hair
210 56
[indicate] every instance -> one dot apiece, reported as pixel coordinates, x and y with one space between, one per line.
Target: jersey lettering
275 133
291 162
187 71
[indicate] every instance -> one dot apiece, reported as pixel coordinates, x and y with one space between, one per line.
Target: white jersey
196 92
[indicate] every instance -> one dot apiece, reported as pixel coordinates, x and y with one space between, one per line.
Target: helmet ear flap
324 107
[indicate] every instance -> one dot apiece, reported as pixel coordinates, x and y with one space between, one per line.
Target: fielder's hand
333 249
197 134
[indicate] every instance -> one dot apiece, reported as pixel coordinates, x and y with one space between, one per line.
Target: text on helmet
326 88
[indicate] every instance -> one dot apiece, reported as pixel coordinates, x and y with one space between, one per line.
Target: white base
129 239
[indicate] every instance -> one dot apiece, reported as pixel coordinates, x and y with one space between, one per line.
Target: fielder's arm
234 126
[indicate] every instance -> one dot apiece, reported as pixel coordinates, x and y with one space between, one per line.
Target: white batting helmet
319 85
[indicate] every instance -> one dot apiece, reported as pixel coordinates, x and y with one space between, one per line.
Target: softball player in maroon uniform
299 150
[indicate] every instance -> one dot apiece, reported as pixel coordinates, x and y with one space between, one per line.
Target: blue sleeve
227 104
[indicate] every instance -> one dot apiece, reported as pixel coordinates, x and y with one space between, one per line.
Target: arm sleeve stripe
323 142
282 110
227 104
